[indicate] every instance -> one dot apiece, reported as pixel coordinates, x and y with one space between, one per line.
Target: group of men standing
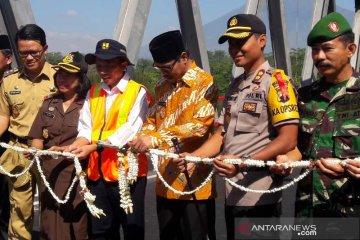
323 121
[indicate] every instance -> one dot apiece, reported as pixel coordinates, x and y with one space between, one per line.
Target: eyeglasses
34 54
167 68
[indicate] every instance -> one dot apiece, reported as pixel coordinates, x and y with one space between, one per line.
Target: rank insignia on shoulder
249 107
281 85
48 97
258 76
9 72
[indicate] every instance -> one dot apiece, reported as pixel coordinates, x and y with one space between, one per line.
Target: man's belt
22 140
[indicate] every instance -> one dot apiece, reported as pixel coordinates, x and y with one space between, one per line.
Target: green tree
146 74
221 69
54 57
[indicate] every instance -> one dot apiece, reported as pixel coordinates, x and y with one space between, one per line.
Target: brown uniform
20 100
58 128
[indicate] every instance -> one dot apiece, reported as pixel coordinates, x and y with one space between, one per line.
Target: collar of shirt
191 75
120 86
46 71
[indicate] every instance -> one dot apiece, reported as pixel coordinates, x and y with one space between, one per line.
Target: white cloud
172 27
72 13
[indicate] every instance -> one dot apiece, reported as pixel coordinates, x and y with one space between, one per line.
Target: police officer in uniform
5 69
21 95
259 119
330 123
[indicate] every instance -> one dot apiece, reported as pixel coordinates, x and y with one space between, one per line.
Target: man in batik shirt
184 109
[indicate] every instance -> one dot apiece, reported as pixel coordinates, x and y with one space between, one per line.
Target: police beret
167 46
4 42
242 26
107 49
329 27
74 62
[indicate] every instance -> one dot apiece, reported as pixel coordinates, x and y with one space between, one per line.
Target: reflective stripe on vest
101 130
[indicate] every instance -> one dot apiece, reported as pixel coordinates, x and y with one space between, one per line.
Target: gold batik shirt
185 111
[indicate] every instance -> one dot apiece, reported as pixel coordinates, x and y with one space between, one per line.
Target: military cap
167 46
329 27
73 62
4 42
242 26
107 49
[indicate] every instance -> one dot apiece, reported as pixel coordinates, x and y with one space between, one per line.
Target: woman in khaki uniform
54 128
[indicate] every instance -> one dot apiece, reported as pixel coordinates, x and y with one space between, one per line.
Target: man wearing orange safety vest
114 111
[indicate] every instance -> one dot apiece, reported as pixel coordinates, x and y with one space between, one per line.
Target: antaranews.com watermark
297 228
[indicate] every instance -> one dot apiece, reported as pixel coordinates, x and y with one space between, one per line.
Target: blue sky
78 24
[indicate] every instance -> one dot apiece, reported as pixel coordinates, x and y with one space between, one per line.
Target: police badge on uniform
45 133
15 111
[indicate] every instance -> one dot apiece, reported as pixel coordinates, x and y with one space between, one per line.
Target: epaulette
258 76
10 72
49 96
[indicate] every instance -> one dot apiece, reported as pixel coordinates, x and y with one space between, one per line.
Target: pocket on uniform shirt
16 108
346 136
249 117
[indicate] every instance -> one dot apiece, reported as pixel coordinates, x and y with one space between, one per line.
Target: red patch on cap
334 27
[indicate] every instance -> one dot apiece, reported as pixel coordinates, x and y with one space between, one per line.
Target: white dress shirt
135 120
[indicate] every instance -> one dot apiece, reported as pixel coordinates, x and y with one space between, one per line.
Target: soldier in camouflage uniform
330 123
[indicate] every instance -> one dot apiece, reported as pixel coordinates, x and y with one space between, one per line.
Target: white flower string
155 160
124 186
248 162
80 175
126 179
133 167
18 149
273 190
47 184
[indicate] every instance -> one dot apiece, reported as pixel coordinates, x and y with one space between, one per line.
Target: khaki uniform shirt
21 98
254 105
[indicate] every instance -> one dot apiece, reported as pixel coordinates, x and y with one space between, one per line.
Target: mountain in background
298 16
298 21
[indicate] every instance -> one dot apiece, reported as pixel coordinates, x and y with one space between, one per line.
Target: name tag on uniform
49 115
249 107
15 92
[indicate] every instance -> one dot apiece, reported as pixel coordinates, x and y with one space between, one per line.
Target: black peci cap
4 42
107 49
74 62
242 26
167 46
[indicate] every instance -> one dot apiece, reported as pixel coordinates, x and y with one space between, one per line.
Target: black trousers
182 219
4 207
108 199
263 211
